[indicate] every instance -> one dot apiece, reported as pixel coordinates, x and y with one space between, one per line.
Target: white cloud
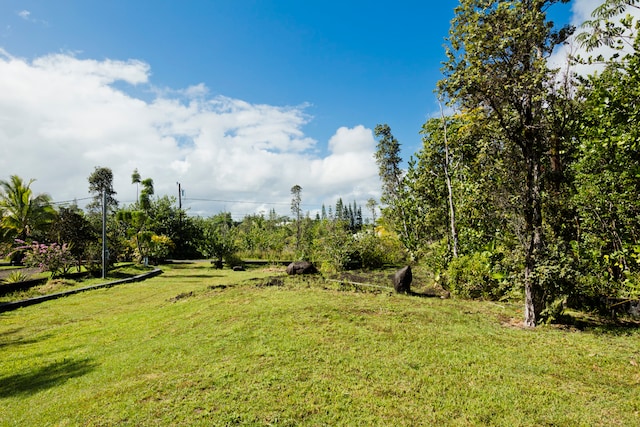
26 15
351 140
581 12
60 116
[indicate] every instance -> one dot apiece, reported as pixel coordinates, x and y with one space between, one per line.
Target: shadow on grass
124 274
201 276
7 339
597 323
425 294
44 377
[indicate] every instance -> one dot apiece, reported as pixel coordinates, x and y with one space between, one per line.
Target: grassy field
198 346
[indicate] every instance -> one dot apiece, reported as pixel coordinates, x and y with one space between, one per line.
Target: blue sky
238 100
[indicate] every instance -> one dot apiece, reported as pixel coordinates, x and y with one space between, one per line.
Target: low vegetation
49 285
202 346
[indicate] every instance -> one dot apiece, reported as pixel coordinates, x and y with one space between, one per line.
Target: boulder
402 280
301 267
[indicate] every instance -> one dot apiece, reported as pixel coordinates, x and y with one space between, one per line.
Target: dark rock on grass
402 280
301 267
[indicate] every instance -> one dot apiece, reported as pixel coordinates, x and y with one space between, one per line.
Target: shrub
334 248
16 277
93 258
435 257
55 258
375 251
473 276
161 246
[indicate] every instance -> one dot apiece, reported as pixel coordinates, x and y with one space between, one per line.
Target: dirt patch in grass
268 281
55 285
181 296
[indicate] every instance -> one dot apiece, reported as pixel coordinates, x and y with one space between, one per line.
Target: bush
93 258
377 251
473 276
334 249
435 257
16 277
54 258
232 260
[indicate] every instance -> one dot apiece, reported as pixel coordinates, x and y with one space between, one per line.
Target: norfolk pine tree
392 176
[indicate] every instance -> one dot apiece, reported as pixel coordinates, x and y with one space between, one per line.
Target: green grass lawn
198 346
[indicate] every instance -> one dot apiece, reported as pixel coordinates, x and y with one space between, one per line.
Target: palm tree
21 213
136 179
146 193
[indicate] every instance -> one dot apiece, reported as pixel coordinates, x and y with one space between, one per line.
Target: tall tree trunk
447 176
452 216
533 299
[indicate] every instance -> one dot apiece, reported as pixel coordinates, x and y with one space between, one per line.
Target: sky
236 100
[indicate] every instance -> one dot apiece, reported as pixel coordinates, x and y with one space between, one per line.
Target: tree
101 180
71 227
388 159
426 182
218 238
296 211
22 215
132 222
165 218
339 216
497 60
608 167
447 177
603 31
136 179
146 193
372 205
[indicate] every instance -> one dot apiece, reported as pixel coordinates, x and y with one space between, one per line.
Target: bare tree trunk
533 298
447 176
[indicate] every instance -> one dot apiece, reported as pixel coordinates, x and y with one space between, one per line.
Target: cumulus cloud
61 116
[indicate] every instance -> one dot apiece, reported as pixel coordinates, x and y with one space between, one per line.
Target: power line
241 201
71 201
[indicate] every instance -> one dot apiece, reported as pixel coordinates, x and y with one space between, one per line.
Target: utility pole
179 242
179 196
105 252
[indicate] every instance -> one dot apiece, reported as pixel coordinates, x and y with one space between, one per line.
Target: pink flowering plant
55 258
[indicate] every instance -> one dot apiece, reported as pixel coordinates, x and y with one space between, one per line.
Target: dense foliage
542 167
